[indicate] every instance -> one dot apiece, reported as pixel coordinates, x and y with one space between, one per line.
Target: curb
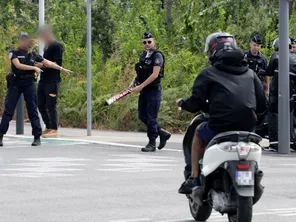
74 140
88 141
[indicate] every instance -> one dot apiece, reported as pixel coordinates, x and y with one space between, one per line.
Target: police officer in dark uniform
293 42
257 61
150 70
272 70
22 80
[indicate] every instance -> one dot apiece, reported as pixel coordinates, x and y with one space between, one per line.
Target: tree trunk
169 7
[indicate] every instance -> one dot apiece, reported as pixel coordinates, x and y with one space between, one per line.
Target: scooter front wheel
199 213
244 211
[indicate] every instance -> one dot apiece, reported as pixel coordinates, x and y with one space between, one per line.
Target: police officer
150 70
272 70
49 84
22 80
257 61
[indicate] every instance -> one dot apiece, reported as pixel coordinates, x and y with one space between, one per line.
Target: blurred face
294 48
46 36
23 43
255 48
148 43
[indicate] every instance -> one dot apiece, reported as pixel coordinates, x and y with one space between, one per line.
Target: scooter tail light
243 150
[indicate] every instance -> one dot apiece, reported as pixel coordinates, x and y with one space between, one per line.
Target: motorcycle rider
272 70
234 94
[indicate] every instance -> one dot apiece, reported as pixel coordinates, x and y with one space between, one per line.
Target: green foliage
180 27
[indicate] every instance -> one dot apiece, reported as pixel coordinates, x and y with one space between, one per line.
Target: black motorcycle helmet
217 41
276 44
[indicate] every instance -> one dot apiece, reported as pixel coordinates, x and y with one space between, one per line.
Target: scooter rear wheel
199 213
244 210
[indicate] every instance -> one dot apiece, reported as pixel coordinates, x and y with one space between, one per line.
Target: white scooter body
215 156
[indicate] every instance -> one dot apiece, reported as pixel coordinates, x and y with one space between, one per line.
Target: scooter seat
235 136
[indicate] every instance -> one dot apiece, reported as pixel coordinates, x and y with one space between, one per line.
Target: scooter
230 174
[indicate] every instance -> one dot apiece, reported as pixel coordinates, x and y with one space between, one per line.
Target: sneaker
46 131
51 134
37 141
164 136
188 185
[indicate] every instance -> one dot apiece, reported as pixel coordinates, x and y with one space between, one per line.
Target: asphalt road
64 181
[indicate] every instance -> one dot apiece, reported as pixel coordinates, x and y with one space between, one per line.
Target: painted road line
130 163
283 209
132 220
90 142
45 167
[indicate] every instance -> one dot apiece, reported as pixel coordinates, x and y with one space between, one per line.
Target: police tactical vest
255 63
144 68
28 59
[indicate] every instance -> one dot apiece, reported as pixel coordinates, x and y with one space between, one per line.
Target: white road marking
132 220
45 167
36 175
73 143
283 209
129 163
13 142
54 159
81 141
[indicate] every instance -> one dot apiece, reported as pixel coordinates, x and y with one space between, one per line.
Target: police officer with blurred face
150 70
49 84
257 61
22 80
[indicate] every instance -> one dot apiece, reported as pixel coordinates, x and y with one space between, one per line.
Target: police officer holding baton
22 80
150 70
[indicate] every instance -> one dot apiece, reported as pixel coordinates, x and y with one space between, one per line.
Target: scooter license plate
244 178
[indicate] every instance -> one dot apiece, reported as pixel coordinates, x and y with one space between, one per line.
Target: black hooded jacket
234 93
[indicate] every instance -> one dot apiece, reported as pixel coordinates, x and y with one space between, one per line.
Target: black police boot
150 147
1 139
36 141
164 136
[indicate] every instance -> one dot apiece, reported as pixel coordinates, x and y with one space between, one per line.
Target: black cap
257 39
23 35
293 41
148 35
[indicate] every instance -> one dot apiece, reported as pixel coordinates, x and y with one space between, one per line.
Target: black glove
261 72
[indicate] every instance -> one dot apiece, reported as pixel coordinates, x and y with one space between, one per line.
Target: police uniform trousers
273 122
16 88
148 107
